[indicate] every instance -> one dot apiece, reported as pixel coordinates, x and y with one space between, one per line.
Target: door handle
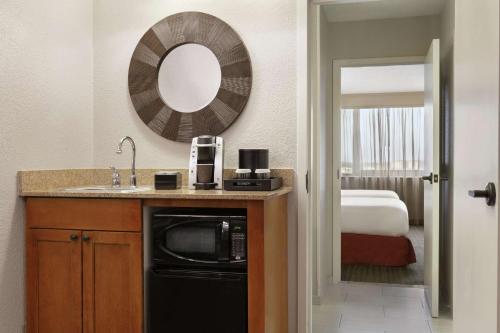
224 241
307 181
85 238
429 178
489 193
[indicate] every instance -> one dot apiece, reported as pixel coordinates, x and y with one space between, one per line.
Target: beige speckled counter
59 184
183 193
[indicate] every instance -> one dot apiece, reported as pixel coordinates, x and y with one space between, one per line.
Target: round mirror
190 75
189 78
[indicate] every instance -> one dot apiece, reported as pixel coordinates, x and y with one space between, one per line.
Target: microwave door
193 241
223 240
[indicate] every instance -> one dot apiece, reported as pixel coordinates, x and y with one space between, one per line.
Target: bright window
383 141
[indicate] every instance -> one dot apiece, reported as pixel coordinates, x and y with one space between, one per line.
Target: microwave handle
224 241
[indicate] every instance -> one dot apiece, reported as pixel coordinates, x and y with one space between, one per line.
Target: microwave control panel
238 240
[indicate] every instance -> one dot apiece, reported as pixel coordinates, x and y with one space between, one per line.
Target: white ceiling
382 79
361 10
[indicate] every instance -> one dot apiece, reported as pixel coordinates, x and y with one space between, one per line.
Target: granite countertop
183 193
64 184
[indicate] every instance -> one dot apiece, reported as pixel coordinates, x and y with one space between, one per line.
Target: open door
475 164
431 178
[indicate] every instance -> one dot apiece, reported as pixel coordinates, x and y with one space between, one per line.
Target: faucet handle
115 181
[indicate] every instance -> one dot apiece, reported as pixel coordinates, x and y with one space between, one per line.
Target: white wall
403 37
46 117
268 29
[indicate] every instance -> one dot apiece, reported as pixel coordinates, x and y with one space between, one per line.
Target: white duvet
374 216
370 194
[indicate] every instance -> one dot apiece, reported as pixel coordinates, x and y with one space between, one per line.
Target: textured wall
269 121
65 102
46 119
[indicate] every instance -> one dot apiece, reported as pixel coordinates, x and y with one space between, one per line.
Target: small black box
269 184
165 180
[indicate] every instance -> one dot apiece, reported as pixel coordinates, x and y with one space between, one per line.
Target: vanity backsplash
34 180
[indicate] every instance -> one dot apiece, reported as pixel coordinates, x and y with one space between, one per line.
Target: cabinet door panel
112 282
54 281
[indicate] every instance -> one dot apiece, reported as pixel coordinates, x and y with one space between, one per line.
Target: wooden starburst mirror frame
236 76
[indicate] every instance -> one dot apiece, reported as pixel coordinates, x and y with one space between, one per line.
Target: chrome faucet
115 177
133 178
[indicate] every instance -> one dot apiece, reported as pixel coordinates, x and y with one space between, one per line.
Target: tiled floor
375 308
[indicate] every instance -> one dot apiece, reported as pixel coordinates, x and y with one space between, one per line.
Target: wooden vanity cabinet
85 262
80 278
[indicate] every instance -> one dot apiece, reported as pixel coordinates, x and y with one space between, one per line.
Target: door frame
301 195
335 175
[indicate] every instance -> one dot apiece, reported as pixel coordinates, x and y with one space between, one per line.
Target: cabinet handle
86 238
73 237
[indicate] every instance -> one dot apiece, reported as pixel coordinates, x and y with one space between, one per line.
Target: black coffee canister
254 159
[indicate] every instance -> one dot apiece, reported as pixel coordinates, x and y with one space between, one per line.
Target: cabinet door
112 282
53 281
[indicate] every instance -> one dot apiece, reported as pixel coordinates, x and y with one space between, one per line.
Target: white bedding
374 216
370 194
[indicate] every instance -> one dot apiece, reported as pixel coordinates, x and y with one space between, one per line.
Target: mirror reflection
189 78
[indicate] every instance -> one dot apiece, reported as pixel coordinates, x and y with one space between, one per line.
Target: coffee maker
206 166
253 173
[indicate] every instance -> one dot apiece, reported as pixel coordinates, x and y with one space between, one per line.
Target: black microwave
200 238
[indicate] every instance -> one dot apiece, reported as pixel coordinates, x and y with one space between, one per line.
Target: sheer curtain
383 148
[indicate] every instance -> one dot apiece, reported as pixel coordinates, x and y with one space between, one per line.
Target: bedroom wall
46 95
406 99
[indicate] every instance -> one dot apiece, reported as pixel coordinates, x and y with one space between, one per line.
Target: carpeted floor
412 274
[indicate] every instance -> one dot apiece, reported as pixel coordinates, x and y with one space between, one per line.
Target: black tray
269 184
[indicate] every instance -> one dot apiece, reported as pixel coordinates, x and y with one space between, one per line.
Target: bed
374 228
369 194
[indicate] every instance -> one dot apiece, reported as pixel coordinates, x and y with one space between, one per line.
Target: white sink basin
101 188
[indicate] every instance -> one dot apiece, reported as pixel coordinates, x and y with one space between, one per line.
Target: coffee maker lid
206 139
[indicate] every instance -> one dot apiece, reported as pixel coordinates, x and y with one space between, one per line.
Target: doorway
382 118
390 139
364 45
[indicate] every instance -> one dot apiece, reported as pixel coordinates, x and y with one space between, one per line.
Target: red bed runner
377 250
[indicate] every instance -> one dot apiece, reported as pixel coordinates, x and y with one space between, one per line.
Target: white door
475 163
431 181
